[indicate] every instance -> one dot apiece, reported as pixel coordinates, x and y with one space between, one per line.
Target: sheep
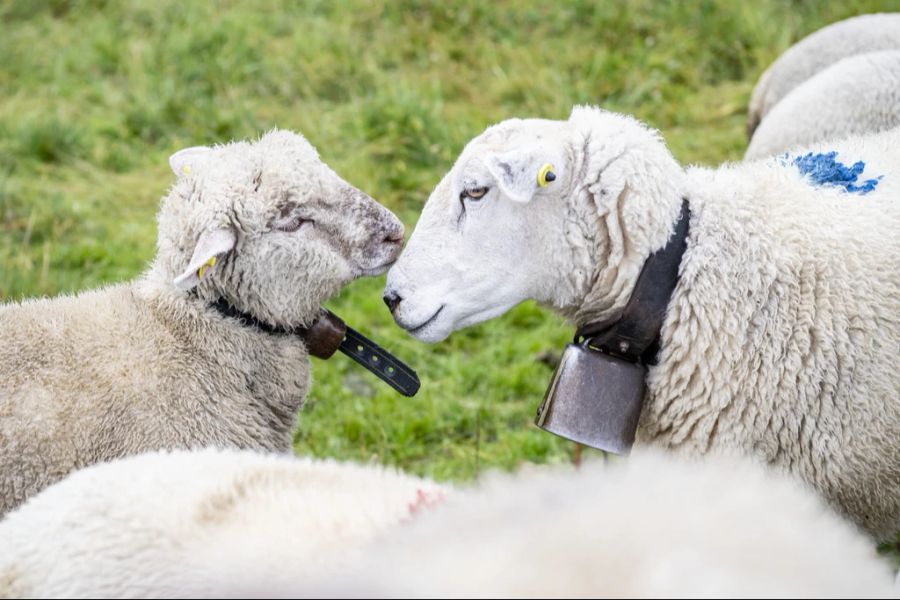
781 336
209 523
857 35
649 527
857 95
236 524
265 227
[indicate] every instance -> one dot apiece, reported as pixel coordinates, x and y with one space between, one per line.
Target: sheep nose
394 235
392 299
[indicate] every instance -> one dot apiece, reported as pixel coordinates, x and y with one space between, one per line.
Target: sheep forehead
280 158
289 145
278 150
510 135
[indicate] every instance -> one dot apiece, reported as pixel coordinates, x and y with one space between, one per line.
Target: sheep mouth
375 271
429 321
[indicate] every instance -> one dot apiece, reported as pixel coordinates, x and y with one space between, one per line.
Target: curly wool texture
782 335
204 524
857 95
146 365
817 51
648 527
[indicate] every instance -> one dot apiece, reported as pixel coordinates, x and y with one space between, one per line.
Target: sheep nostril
395 237
392 299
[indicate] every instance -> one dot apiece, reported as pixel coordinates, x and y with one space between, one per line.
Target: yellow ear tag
546 175
210 263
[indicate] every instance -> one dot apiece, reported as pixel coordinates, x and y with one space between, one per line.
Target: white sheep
209 524
648 527
230 524
781 338
857 35
267 228
855 96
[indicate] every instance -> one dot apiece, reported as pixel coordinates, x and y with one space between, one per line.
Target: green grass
95 95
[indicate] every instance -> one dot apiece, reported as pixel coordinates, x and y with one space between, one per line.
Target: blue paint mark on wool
823 169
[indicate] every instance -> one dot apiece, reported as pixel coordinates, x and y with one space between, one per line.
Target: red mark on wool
425 499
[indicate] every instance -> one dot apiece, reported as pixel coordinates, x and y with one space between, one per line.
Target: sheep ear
184 161
519 173
212 245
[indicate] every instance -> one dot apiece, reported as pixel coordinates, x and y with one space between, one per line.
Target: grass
95 95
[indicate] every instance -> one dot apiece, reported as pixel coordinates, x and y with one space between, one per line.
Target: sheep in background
857 35
855 96
648 527
267 228
207 524
780 339
229 524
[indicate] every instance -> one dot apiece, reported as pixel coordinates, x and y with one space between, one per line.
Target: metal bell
594 399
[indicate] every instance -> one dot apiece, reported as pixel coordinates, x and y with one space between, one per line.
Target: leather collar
322 338
328 334
634 334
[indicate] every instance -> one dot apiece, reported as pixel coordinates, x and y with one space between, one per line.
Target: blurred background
95 95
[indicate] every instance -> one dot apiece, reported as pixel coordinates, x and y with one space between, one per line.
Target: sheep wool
649 527
238 524
855 96
210 523
816 52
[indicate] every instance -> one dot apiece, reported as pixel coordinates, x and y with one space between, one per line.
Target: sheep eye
292 224
474 193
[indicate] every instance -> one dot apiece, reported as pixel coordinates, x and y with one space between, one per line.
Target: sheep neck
634 334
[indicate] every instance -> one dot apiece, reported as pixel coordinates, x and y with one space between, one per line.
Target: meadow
95 95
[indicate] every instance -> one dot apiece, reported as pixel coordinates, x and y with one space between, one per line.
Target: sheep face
270 228
497 230
481 245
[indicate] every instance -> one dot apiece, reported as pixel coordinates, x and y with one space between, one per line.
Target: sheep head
270 228
497 230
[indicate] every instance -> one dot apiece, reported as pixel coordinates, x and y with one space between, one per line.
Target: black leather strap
321 341
249 320
634 335
381 362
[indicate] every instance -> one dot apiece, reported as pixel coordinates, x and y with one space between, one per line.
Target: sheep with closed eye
781 338
263 228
